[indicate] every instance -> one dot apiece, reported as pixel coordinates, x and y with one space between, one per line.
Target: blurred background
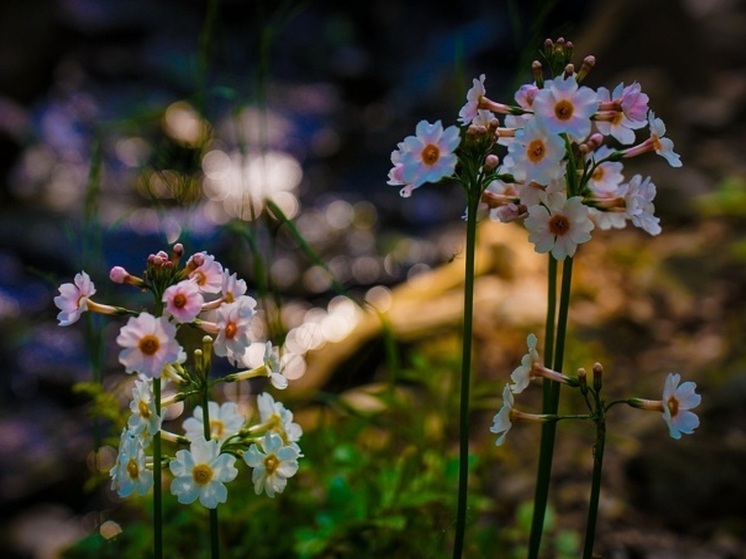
126 125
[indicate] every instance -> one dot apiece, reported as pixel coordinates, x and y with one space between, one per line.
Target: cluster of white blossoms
678 399
205 296
562 147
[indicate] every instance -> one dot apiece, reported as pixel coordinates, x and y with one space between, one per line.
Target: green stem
157 494
550 406
598 458
214 525
463 472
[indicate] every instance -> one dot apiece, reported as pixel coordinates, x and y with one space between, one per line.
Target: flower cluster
200 295
675 406
562 149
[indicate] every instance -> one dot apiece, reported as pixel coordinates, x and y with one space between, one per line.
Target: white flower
535 155
73 298
233 323
428 156
149 345
278 419
273 463
471 109
560 226
272 366
225 421
502 423
130 474
640 208
521 375
206 272
232 287
564 107
663 146
144 417
677 403
183 301
201 472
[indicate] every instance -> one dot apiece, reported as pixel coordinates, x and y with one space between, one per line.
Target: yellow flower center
271 463
202 474
563 110
133 470
149 344
230 330
430 154
180 301
559 225
217 428
598 174
673 406
535 151
142 406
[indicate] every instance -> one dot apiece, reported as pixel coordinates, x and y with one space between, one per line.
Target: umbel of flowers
200 295
553 159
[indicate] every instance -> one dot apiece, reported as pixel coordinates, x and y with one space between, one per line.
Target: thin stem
463 472
550 406
214 525
598 459
157 494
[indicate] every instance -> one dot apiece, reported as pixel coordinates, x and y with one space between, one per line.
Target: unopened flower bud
538 72
588 63
598 373
178 249
583 380
476 130
569 70
118 274
491 162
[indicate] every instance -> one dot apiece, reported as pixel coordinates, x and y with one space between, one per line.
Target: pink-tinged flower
428 156
502 202
183 301
273 463
535 155
225 421
233 324
559 226
525 96
396 176
144 418
677 403
201 473
130 473
469 111
149 345
640 208
634 102
566 108
206 272
232 287
663 146
73 298
615 122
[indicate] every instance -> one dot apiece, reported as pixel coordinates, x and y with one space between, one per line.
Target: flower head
273 463
206 272
183 301
225 421
278 419
502 422
201 473
130 474
232 287
73 298
535 155
149 344
559 226
565 107
144 418
678 400
233 323
428 156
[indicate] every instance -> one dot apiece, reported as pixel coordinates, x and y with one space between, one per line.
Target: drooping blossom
521 375
149 344
271 363
144 418
502 422
640 208
201 473
273 462
130 473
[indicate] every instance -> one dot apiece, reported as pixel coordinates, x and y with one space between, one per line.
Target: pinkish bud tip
118 274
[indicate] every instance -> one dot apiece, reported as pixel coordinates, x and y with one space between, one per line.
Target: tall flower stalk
553 160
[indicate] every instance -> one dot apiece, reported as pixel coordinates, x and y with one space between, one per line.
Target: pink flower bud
118 274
